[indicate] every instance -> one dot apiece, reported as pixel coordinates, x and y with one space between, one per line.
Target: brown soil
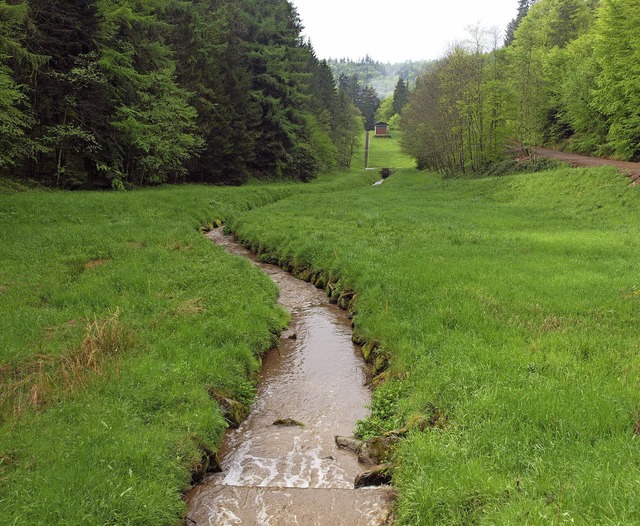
632 170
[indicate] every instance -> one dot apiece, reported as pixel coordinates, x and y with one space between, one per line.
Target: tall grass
119 322
509 310
46 378
117 319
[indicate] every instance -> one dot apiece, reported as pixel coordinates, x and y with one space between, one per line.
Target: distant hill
381 77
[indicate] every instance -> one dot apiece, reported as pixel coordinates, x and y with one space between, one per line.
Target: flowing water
295 475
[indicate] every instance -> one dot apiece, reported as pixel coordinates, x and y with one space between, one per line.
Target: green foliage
617 96
324 149
159 130
164 90
14 121
400 96
523 9
513 166
576 97
393 105
528 81
455 122
385 111
347 125
362 97
568 78
15 114
12 27
384 411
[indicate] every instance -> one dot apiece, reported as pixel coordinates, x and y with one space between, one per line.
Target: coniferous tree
523 9
322 109
277 61
369 104
15 110
152 128
363 97
400 96
617 96
347 126
212 64
117 92
64 89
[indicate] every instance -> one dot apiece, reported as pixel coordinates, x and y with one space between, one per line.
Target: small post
366 150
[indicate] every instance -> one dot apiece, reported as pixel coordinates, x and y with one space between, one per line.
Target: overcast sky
396 30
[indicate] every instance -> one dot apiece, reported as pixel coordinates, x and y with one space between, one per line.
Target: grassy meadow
385 152
508 309
504 313
117 319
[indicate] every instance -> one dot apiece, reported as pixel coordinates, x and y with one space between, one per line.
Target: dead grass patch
189 307
95 263
178 245
42 379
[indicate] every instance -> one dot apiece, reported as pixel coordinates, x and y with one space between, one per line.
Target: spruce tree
400 96
212 64
523 9
15 110
64 90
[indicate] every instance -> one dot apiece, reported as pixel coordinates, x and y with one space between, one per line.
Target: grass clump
514 166
41 379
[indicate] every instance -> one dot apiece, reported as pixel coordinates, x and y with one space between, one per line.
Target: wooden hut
381 129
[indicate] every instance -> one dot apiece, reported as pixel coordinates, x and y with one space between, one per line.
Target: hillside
381 77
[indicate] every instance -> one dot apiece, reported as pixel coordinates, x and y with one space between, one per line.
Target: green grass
509 307
117 319
385 153
118 446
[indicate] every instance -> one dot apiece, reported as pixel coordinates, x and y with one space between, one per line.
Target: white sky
396 30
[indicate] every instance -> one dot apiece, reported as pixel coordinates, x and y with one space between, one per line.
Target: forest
565 75
112 93
382 77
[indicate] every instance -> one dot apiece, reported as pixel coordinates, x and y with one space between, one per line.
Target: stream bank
281 465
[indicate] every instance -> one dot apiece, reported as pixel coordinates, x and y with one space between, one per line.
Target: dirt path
630 169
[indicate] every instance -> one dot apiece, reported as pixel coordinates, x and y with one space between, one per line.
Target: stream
277 475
